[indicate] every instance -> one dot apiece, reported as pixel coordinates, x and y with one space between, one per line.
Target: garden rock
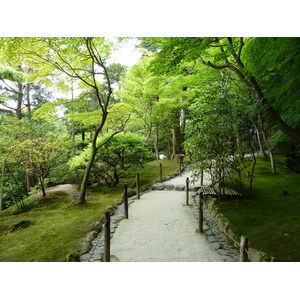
179 187
169 187
158 187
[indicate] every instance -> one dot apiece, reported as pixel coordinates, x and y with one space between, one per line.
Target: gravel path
162 228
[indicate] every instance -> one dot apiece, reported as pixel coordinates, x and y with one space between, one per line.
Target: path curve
161 228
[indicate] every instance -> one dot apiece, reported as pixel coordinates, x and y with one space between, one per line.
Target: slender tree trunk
73 139
43 187
261 148
19 103
271 154
252 169
273 166
156 142
2 185
28 101
29 178
86 176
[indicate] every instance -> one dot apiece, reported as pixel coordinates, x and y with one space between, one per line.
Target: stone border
212 212
90 239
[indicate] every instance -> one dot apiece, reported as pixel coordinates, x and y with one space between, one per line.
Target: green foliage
114 158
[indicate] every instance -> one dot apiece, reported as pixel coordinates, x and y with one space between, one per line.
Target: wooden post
201 177
244 249
201 212
107 236
180 167
160 172
126 200
187 190
138 185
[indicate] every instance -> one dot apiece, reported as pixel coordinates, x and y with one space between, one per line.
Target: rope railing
244 253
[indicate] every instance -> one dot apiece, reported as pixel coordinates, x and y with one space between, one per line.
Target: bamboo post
107 236
138 185
126 200
201 212
160 172
187 190
244 249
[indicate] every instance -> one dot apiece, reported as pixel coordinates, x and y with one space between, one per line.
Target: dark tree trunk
43 187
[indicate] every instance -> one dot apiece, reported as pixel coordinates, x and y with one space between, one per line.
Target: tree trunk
252 169
272 160
2 185
177 141
182 122
255 89
30 181
284 127
273 166
19 103
86 176
156 143
73 139
28 101
261 148
29 178
43 187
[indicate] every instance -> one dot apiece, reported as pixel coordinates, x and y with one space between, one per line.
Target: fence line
235 241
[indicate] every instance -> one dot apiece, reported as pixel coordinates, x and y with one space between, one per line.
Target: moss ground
271 219
59 224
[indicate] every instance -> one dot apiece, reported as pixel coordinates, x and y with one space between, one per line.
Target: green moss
58 224
271 219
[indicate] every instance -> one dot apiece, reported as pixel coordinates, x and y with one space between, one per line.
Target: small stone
91 235
85 257
216 245
208 232
179 187
212 239
223 252
87 246
228 259
169 186
158 187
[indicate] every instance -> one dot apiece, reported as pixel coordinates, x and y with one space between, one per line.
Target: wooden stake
126 200
201 212
160 172
201 177
107 236
187 190
138 185
243 249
